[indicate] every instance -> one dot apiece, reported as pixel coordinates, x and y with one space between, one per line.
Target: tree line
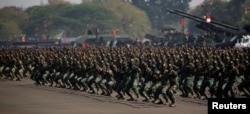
127 17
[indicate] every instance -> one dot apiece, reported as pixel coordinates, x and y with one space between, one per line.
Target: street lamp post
208 18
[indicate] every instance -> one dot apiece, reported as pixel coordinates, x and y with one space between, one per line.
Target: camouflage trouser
45 77
57 76
120 87
127 84
207 83
74 82
1 71
229 88
132 87
153 89
97 80
188 85
83 82
90 81
171 93
19 74
161 93
13 73
6 72
244 86
65 79
110 84
102 84
197 84
144 90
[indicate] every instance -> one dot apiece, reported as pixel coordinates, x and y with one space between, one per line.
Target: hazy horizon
29 3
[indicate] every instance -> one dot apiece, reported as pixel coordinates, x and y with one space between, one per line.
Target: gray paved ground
23 97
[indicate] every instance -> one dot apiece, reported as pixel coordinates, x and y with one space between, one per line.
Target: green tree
130 19
9 30
156 10
56 1
245 20
74 19
11 21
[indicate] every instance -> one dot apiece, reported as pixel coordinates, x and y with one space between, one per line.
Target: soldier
92 76
189 79
220 79
161 92
171 91
231 79
208 79
245 82
110 80
156 83
147 83
198 78
133 83
84 76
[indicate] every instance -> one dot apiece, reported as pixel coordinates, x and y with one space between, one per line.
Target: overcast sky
28 3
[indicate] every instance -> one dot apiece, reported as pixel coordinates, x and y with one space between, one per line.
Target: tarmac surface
24 97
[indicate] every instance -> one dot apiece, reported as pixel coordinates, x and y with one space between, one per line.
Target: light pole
208 18
182 22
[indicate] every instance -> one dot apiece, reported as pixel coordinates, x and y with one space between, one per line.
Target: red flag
84 45
113 32
182 21
23 38
208 18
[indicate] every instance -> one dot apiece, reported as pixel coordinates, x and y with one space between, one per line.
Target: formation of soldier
156 74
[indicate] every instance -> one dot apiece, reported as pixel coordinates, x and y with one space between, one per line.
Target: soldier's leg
197 86
188 86
212 84
69 80
20 75
110 86
143 93
78 82
55 79
13 73
219 90
74 82
1 71
135 88
102 85
155 91
84 84
163 95
225 89
7 72
44 78
119 89
51 78
128 91
244 87
98 78
157 94
90 82
171 94
58 79
181 86
233 89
